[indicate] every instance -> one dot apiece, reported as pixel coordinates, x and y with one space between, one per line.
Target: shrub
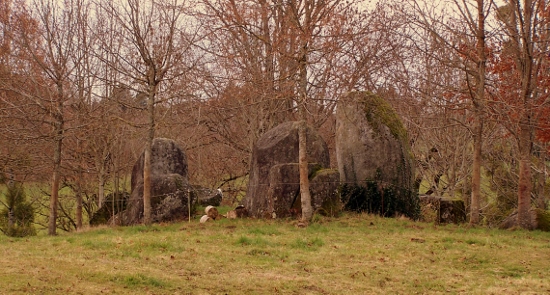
17 216
386 201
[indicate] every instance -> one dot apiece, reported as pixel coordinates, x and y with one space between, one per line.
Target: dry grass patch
355 254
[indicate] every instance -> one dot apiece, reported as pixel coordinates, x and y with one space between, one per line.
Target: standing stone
170 187
166 158
279 146
283 196
372 148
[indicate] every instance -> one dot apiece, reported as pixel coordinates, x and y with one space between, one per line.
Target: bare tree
461 27
519 100
152 51
51 55
279 56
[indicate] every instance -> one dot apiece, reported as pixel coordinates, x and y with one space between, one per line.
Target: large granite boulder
372 149
266 196
208 197
283 196
170 189
166 158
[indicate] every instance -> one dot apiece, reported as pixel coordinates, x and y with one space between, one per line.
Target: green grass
353 254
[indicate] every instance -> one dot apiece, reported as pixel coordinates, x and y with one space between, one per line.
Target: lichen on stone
378 112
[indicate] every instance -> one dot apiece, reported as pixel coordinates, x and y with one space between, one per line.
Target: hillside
354 254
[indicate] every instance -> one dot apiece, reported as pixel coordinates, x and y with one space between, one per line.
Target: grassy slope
355 254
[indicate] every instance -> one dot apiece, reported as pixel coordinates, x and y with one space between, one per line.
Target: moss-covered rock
372 149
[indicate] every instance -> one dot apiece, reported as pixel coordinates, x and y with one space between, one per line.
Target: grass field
353 254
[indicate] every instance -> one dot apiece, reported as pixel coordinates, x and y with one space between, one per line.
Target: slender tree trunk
479 105
11 204
101 186
52 224
147 159
541 180
79 200
115 207
476 173
78 184
11 219
305 196
521 31
524 184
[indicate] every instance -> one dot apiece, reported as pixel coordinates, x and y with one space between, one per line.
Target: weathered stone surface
166 158
372 145
442 210
208 197
540 219
278 146
170 189
283 195
324 192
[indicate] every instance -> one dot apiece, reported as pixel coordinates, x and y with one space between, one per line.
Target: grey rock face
372 145
166 158
170 187
283 197
208 197
273 191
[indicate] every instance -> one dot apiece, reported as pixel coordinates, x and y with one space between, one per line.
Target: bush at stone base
540 220
384 201
113 204
374 159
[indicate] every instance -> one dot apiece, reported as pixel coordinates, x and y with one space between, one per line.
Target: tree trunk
479 105
305 196
79 201
524 184
54 197
101 185
541 180
116 182
147 159
476 172
11 220
78 184
11 204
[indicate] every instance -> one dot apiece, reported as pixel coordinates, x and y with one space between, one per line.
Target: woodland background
84 84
